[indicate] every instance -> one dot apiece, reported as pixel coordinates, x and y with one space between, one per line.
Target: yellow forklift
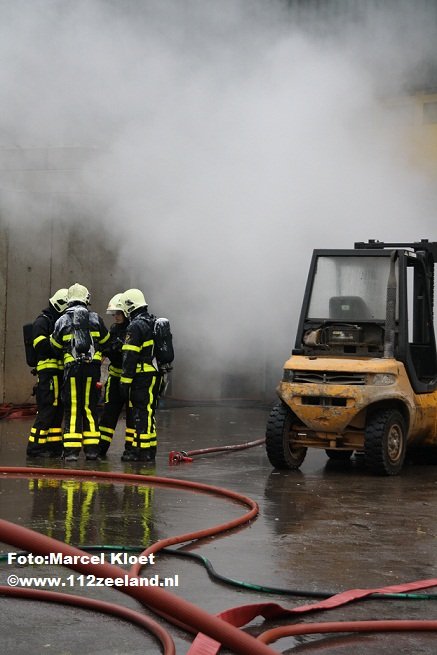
362 377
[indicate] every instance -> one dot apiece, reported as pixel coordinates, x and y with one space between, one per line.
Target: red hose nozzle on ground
176 457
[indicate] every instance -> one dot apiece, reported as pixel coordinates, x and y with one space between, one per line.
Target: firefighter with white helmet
114 402
140 377
45 439
80 335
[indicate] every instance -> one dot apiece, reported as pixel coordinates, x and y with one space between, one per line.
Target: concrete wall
40 253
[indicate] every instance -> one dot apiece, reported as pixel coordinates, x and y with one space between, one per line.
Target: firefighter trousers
112 409
144 395
81 395
46 433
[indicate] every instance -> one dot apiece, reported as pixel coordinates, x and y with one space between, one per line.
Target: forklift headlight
288 375
383 379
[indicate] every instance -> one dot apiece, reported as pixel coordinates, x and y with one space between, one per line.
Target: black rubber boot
103 448
71 454
35 451
130 455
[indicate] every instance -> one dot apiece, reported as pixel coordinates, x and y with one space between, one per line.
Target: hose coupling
176 457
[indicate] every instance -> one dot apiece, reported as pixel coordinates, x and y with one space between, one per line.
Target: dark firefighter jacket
41 330
113 348
62 337
138 348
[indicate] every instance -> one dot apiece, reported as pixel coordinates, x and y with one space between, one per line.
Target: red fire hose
213 630
10 411
178 456
158 599
98 606
269 636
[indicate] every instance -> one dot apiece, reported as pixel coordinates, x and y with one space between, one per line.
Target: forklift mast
425 250
423 245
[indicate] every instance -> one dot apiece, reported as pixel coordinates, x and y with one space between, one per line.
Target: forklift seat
348 308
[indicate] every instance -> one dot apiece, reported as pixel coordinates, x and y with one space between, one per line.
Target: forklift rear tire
279 436
385 442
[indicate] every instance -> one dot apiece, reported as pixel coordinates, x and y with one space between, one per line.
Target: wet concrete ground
328 527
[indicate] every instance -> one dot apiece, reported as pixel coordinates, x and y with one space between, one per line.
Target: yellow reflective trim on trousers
88 441
107 430
107 387
134 348
147 440
56 391
150 421
38 340
129 435
87 405
106 434
126 380
73 402
73 444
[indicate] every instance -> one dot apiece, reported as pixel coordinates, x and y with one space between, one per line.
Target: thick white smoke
229 142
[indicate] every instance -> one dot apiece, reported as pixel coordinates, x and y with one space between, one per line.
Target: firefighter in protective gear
80 336
114 402
139 381
45 439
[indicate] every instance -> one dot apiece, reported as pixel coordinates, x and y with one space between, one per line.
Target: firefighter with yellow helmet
45 439
114 402
80 336
140 378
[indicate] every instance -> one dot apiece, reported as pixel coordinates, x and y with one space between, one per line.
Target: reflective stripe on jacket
138 349
41 330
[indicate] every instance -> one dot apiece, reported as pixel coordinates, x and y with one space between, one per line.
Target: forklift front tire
281 452
385 442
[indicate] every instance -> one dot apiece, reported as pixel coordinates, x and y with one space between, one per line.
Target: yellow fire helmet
59 300
78 293
131 300
113 304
